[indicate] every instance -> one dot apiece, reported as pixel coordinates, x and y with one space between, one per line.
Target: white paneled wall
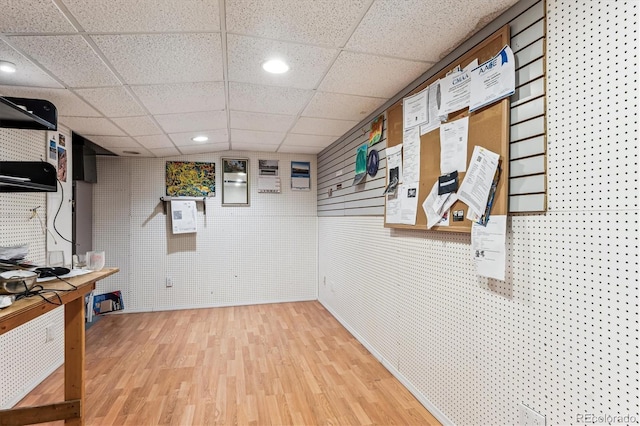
240 255
561 332
27 359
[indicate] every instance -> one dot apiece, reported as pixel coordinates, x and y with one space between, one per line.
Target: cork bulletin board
488 127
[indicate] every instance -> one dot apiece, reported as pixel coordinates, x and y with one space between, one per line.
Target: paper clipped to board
411 155
454 137
475 188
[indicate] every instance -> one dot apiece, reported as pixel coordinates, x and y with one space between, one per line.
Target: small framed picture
235 181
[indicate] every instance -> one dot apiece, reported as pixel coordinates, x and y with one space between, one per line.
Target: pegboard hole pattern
27 359
263 253
593 105
561 332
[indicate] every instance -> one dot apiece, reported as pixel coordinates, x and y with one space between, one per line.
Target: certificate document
493 80
414 109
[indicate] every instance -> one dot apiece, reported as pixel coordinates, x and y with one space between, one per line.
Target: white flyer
411 155
436 206
493 80
453 146
474 190
393 209
183 216
488 244
408 195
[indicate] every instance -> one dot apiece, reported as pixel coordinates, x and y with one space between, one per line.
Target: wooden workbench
22 311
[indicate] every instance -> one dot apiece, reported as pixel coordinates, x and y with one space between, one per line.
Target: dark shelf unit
28 176
39 114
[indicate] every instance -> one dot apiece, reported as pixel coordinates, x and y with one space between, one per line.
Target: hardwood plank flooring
277 364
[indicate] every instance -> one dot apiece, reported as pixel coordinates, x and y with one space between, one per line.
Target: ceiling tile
255 147
341 107
91 126
299 149
351 74
163 58
193 121
215 136
110 142
155 141
308 140
27 74
258 121
398 29
278 100
32 16
138 126
201 149
307 63
145 15
165 152
66 102
112 101
182 97
252 136
69 58
322 126
326 22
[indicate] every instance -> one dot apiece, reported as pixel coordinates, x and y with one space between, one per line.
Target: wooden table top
27 309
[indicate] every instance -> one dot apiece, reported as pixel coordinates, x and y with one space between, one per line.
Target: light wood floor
289 363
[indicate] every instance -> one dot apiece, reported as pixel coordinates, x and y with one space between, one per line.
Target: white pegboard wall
16 226
30 358
561 332
265 252
593 111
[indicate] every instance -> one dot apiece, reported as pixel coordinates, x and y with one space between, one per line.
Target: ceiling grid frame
278 23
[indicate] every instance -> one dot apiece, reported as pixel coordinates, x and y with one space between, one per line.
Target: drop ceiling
149 75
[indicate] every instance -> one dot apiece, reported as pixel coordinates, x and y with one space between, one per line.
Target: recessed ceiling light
275 66
200 139
7 66
131 152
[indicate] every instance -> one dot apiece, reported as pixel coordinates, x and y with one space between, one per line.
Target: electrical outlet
169 282
48 333
529 417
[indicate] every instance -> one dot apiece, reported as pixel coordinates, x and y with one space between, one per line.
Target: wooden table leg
74 356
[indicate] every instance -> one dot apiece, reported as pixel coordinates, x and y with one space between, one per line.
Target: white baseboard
419 396
221 305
